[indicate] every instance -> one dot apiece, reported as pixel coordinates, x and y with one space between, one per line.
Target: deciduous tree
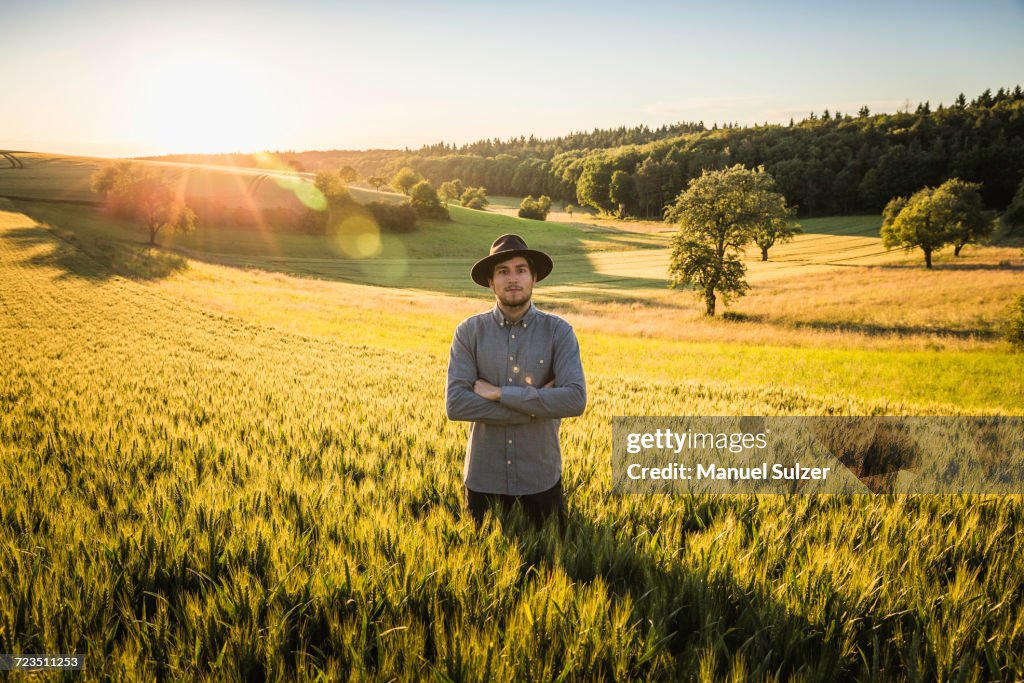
145 196
1013 217
451 190
622 191
934 217
718 215
777 231
405 179
423 198
536 209
475 198
348 174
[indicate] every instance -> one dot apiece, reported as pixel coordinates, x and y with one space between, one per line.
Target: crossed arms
473 399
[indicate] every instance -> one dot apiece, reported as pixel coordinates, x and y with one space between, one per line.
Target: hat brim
542 264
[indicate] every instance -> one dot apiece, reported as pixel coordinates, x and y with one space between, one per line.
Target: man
514 372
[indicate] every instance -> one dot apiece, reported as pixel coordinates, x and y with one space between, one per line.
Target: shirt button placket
512 353
508 368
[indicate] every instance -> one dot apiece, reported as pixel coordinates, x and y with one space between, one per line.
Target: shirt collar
525 321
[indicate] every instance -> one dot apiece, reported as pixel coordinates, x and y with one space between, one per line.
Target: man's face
512 282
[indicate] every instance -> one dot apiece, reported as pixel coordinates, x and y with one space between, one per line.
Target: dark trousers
536 506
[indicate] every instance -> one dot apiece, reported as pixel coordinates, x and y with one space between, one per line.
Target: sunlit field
228 458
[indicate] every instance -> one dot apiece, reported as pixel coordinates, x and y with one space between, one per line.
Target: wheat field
228 474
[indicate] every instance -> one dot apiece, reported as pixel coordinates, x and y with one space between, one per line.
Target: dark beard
514 304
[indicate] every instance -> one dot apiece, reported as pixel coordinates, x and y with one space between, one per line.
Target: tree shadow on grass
943 265
879 330
682 611
95 259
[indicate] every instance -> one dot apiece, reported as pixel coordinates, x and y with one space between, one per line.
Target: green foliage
970 222
892 209
405 179
594 185
393 218
1013 218
654 181
145 196
475 198
451 190
424 200
622 191
931 218
718 215
377 182
834 164
837 164
536 209
348 174
777 230
334 189
696 263
1014 326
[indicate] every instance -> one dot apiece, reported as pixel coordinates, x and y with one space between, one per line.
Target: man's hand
487 390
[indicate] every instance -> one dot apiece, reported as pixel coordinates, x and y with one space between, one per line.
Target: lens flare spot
286 176
392 267
304 191
356 236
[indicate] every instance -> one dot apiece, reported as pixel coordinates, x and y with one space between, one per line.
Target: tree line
825 164
832 163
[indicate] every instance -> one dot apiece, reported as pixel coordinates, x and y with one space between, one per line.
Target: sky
144 78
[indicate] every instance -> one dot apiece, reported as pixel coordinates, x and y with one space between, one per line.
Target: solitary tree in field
934 217
405 179
718 215
537 209
377 182
145 196
776 232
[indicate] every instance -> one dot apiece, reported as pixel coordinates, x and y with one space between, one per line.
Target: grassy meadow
227 458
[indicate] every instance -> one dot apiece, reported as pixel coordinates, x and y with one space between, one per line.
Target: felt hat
504 248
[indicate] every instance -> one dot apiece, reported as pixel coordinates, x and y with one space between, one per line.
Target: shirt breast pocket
539 371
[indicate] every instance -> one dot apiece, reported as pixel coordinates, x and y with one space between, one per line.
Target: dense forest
828 163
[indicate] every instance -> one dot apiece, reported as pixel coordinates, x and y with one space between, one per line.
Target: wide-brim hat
504 248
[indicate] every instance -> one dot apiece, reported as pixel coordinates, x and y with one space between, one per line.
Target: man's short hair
529 262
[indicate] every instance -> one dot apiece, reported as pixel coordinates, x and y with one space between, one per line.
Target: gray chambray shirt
513 443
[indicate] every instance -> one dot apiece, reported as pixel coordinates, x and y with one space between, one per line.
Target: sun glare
205 103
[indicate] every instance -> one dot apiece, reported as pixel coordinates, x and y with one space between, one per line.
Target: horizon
135 80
